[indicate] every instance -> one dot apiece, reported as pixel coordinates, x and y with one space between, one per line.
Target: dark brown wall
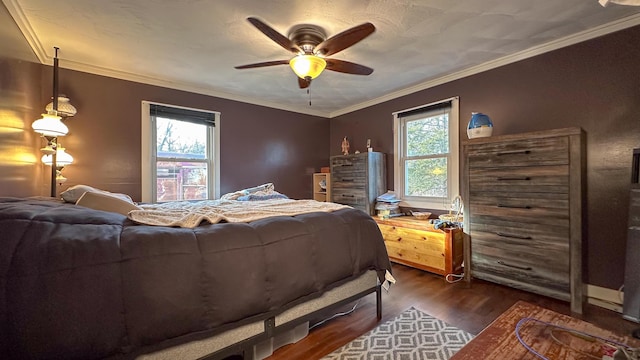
594 85
257 144
20 170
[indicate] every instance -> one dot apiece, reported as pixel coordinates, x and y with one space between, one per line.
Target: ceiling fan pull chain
309 93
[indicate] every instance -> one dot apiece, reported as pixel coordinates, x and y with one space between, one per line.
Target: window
426 155
180 149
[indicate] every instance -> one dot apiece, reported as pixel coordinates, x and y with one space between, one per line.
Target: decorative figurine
345 146
369 148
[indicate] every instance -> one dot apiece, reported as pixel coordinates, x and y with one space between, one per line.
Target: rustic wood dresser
524 196
356 180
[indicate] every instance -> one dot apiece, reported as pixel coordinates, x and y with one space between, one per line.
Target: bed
80 283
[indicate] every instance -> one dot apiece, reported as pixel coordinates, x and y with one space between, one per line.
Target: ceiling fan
311 47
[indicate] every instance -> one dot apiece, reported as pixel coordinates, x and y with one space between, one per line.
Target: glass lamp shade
65 109
62 158
50 125
307 66
48 149
60 179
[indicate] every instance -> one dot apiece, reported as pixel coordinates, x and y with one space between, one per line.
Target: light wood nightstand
418 244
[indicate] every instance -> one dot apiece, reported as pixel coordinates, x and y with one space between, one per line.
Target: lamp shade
62 158
307 66
65 109
50 125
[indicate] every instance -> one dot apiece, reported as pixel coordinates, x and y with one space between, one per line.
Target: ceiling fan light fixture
307 66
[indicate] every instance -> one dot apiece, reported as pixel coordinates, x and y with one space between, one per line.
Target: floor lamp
51 127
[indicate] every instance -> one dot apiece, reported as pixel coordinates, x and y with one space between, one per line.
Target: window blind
182 114
438 107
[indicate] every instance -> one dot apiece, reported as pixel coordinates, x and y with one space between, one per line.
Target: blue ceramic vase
480 125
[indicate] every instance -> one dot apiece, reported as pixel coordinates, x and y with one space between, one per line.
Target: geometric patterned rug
412 335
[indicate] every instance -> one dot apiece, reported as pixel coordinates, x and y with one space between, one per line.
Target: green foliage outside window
427 147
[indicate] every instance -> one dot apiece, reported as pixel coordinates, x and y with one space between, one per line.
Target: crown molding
27 31
176 85
589 34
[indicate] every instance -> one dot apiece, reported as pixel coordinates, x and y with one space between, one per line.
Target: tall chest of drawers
524 196
356 180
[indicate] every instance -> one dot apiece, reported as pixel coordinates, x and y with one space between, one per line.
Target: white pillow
74 193
105 202
268 188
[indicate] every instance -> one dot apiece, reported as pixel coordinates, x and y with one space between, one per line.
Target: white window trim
453 166
148 154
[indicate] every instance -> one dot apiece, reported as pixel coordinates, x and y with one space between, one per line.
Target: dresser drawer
533 179
489 214
349 197
545 268
528 234
559 289
519 199
525 152
349 180
348 165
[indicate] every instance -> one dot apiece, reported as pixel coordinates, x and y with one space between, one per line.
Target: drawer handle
523 178
514 206
526 268
348 180
349 196
514 236
514 152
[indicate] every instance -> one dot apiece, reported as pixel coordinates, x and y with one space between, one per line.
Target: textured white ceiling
194 44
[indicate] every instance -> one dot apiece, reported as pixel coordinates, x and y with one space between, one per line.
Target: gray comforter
77 283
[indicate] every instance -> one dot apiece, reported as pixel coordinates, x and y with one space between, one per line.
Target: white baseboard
605 298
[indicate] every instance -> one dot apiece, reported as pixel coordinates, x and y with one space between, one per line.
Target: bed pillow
106 202
262 195
268 187
74 193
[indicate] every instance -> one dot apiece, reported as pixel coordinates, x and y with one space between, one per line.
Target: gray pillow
74 193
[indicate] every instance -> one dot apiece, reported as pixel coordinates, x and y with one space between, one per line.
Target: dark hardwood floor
470 307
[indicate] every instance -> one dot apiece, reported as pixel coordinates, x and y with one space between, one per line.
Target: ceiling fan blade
274 35
303 83
263 64
344 39
348 67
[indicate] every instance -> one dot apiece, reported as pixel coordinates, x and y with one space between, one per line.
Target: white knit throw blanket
191 214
